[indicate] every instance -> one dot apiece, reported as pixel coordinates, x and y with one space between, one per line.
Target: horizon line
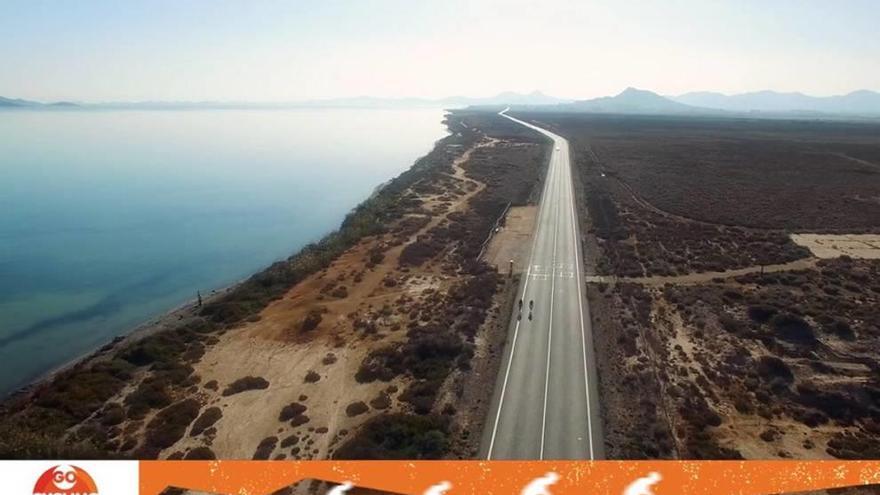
330 99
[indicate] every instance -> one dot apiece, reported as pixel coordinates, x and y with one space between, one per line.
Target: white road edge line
577 255
516 328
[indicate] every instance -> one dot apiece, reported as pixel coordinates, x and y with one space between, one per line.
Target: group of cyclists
531 307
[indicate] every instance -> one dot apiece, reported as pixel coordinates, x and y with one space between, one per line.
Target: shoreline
185 310
395 262
151 326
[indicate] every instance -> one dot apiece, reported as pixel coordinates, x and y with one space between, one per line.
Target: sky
268 50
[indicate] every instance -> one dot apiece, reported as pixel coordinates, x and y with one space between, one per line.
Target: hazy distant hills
19 103
771 104
506 98
861 102
7 102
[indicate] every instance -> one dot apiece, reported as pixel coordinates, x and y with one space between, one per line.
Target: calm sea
109 218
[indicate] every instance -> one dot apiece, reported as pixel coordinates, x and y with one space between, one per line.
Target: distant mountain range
858 102
861 103
19 103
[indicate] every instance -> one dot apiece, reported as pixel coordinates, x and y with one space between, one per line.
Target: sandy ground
865 246
513 240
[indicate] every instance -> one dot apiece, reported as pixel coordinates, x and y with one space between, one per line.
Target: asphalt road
545 404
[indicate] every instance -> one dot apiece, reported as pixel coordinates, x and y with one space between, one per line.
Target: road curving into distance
545 404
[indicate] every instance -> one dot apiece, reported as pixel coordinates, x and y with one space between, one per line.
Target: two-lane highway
545 402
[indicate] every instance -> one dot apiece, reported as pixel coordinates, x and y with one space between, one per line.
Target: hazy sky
289 50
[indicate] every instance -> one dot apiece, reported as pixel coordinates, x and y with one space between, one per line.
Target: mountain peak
634 100
641 96
635 91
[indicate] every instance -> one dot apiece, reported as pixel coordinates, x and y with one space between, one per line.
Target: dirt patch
862 246
697 278
512 241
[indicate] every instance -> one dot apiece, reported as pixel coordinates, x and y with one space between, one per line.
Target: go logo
65 480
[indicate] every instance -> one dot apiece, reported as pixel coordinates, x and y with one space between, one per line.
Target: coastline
186 309
394 263
153 325
168 320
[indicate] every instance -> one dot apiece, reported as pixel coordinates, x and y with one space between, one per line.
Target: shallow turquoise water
108 218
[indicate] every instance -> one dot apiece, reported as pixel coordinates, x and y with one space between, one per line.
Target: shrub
312 320
289 441
207 419
21 440
356 408
381 364
854 445
200 454
383 401
421 250
265 448
843 407
312 377
77 395
730 323
150 394
422 395
841 328
761 312
299 419
200 325
769 435
430 353
290 411
170 424
113 414
245 384
696 411
792 328
398 436
772 368
161 347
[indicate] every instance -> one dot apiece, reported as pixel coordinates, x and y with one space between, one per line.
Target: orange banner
513 477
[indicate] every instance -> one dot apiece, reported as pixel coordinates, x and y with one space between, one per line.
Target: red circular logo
65 480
